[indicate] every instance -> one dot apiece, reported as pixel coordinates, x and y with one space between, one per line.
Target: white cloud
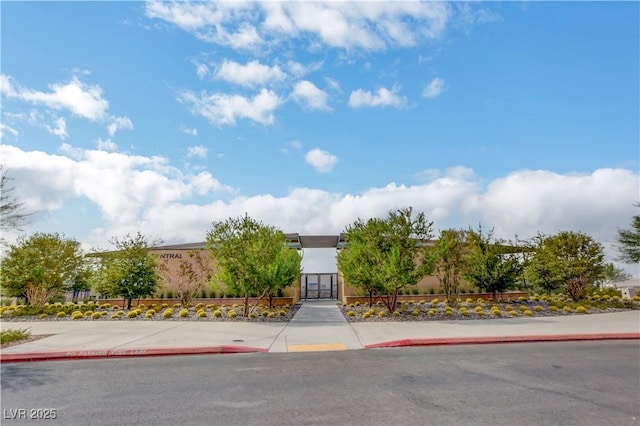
381 98
7 129
185 15
277 19
222 109
299 70
50 122
59 129
365 25
79 98
434 88
202 70
122 186
296 144
333 84
197 151
468 14
118 123
222 23
6 86
321 160
106 145
246 37
249 75
189 131
368 25
524 202
310 96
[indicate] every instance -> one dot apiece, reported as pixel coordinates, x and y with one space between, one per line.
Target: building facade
310 284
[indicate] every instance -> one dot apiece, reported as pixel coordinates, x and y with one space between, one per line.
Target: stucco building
310 285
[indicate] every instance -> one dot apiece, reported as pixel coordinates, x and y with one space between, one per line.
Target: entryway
319 286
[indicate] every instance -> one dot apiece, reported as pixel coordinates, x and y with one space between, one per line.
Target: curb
503 339
123 353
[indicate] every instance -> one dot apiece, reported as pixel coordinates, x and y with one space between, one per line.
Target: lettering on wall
171 256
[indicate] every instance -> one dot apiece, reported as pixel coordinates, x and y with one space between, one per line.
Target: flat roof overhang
296 241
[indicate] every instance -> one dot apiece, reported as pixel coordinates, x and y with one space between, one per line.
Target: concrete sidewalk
317 326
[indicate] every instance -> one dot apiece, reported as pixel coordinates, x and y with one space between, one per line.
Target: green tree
568 259
395 250
450 255
541 268
629 241
130 271
244 250
282 272
493 265
41 267
82 281
12 212
358 262
612 274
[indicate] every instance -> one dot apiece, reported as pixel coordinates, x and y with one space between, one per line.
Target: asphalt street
581 383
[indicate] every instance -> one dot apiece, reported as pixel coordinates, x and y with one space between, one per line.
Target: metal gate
319 286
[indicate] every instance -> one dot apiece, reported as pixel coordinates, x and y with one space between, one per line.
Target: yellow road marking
320 347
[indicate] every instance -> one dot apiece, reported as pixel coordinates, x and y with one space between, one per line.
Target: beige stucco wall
170 259
171 276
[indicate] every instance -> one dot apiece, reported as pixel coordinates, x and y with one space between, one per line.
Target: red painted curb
503 339
123 353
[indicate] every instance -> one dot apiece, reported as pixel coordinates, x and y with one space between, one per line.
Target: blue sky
164 116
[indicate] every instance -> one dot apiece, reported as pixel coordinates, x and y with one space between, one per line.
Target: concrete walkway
317 326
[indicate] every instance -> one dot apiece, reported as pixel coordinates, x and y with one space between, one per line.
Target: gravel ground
192 315
405 311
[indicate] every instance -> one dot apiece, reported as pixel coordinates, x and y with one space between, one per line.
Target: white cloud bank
148 194
357 24
122 186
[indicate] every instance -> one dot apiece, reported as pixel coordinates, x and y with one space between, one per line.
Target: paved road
529 384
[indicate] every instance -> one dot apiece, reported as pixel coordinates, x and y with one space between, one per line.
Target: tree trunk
246 305
129 300
370 298
390 301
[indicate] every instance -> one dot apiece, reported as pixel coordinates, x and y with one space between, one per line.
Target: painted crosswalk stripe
319 347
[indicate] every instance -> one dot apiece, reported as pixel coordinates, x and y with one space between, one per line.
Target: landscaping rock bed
474 309
164 312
